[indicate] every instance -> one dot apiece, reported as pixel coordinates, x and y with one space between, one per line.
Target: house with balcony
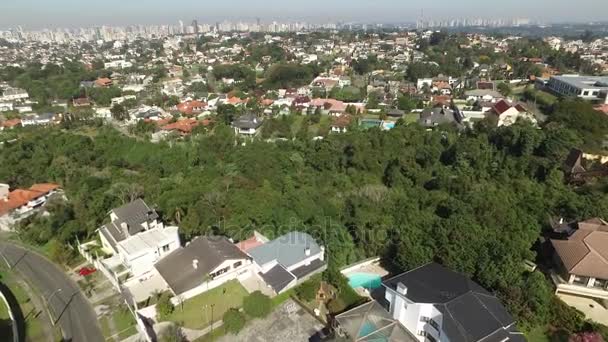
20 203
247 125
136 239
205 263
437 304
581 260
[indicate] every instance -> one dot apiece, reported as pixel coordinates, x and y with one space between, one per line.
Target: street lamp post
212 305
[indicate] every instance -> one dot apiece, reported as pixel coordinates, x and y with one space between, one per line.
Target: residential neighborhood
304 172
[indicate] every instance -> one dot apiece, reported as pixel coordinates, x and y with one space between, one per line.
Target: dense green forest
475 201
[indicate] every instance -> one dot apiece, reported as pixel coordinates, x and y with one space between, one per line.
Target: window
430 338
237 264
220 272
165 248
600 283
578 280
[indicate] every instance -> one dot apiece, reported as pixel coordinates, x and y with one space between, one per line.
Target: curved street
63 297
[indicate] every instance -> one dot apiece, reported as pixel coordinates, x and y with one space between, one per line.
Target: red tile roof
19 197
248 244
10 123
183 126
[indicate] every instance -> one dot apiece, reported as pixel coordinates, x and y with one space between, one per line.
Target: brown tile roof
11 123
585 253
20 197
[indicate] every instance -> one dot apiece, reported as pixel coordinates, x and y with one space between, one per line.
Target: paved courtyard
255 283
289 322
592 309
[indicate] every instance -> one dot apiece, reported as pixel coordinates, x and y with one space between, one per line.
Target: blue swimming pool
366 280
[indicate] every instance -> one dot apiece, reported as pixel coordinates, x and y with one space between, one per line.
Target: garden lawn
537 335
195 313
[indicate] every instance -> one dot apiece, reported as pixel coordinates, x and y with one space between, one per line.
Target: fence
98 264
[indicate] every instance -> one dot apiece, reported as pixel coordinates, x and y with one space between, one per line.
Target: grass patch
537 334
411 118
282 298
105 327
192 313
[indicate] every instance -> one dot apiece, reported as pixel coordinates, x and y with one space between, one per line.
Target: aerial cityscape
326 171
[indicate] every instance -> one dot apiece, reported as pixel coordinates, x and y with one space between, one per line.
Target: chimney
4 191
195 263
307 251
401 289
125 228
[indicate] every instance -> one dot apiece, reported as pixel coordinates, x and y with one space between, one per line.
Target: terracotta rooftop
585 252
20 197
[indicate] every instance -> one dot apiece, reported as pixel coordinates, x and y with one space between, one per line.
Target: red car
85 271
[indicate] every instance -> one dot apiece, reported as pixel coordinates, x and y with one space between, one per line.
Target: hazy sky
68 13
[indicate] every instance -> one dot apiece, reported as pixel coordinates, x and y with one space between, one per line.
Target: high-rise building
195 25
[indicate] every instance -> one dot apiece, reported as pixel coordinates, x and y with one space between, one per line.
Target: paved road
65 301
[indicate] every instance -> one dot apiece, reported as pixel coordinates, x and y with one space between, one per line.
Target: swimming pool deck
372 266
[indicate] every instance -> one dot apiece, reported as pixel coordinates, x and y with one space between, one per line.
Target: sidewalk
191 334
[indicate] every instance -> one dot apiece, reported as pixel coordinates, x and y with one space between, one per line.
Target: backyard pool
365 280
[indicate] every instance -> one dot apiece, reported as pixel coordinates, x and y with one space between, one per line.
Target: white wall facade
240 273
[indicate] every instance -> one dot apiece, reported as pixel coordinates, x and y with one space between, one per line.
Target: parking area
592 309
289 322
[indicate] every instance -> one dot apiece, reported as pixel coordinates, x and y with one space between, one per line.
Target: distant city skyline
36 14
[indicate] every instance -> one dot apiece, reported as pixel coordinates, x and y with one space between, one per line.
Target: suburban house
288 260
14 94
247 125
581 260
437 304
103 82
341 123
10 124
136 238
205 263
485 95
38 119
20 203
432 117
508 113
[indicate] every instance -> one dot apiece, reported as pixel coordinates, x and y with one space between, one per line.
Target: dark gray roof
305 270
278 278
178 270
248 122
287 250
431 117
470 313
134 214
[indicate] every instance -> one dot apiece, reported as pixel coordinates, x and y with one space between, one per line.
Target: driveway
63 297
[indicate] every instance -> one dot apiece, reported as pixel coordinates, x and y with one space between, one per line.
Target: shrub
257 305
164 307
173 333
307 291
234 321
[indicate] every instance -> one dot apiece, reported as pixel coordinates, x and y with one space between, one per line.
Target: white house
485 95
136 238
120 64
14 94
205 263
37 119
508 113
247 125
20 203
437 304
288 260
